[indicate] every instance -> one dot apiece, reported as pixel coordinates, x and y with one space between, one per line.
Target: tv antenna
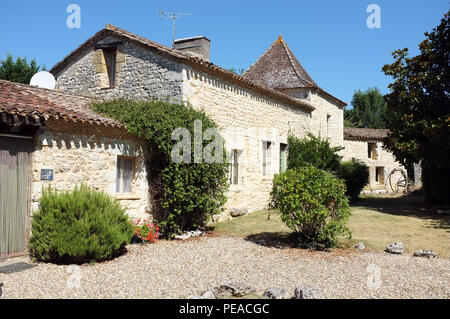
173 16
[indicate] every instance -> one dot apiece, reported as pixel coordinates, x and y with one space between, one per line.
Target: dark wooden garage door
15 157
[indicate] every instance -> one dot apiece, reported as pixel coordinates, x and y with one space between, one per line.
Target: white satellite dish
44 80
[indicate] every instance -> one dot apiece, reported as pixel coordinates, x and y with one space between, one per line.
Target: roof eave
180 57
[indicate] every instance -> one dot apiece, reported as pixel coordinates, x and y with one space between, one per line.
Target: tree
238 71
313 151
369 110
19 71
419 109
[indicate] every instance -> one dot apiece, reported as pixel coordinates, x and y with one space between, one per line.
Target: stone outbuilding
52 138
366 145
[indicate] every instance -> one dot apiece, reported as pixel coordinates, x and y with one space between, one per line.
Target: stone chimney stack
195 46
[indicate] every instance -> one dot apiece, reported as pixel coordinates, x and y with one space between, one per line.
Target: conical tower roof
278 68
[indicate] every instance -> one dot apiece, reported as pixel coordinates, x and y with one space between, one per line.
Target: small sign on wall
46 174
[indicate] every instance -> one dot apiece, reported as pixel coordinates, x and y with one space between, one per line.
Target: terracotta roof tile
30 100
192 61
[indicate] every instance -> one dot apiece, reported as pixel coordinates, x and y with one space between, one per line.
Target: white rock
395 248
307 292
425 253
276 293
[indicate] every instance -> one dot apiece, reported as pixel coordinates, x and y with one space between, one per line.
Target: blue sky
330 38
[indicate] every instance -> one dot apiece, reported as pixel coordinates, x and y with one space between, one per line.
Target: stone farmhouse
366 145
275 94
52 137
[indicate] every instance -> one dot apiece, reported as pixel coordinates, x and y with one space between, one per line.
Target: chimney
195 46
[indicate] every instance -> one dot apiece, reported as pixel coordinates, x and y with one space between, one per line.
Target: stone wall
141 74
327 118
249 118
85 153
246 119
359 150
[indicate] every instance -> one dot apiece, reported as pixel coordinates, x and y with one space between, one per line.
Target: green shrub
356 175
78 226
313 204
186 195
313 151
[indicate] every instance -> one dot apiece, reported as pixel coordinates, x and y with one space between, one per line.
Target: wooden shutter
264 157
110 59
124 175
127 174
235 167
15 154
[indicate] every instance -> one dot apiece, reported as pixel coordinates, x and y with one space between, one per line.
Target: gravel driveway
184 269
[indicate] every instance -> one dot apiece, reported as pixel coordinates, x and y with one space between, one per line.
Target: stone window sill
235 188
127 197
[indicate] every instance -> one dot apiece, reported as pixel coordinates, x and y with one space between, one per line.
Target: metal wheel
398 180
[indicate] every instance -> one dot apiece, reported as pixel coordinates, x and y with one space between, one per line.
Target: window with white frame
266 157
125 174
235 167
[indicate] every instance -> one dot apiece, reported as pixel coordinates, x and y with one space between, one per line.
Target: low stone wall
85 153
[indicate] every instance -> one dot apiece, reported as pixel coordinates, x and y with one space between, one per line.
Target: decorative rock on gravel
395 248
307 292
238 289
360 246
276 293
208 295
189 234
425 253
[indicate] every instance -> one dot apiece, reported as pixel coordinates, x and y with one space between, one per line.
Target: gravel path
185 269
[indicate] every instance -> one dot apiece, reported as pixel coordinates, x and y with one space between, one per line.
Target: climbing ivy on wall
185 195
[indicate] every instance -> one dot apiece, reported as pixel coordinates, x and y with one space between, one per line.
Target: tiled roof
187 59
22 99
278 68
364 134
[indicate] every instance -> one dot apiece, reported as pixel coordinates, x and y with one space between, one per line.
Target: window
379 175
372 151
124 177
328 126
283 157
110 60
266 157
234 169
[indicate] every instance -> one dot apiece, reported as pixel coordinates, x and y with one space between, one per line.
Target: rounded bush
313 204
78 226
356 176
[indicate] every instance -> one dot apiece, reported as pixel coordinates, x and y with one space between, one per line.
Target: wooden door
15 157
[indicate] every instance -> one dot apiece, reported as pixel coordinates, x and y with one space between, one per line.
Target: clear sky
330 38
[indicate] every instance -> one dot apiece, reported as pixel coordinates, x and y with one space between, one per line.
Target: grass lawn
376 220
